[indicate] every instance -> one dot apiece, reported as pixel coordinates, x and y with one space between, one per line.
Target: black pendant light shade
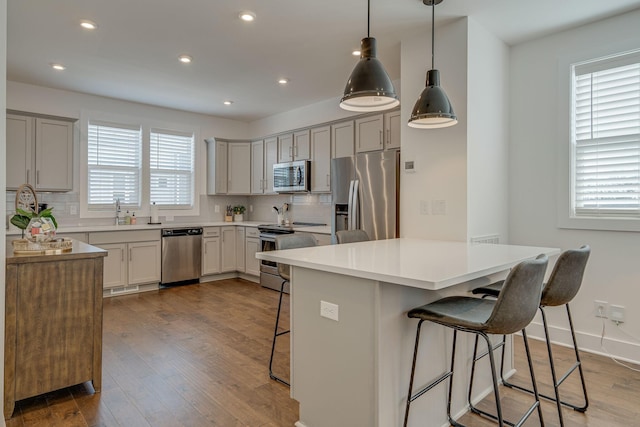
369 87
433 108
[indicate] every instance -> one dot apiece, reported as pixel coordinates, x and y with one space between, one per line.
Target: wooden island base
53 329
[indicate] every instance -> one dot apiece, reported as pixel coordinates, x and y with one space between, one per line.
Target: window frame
191 174
146 124
566 161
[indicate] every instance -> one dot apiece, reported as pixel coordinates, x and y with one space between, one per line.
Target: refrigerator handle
350 206
355 216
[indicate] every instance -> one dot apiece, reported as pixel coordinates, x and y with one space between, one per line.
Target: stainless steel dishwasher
181 254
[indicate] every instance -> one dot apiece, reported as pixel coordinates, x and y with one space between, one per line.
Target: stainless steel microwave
292 176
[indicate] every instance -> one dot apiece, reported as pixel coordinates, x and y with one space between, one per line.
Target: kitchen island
53 321
354 371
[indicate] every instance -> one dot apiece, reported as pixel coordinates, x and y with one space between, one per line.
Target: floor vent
124 290
492 239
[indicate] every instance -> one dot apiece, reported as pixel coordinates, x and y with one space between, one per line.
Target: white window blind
606 137
114 154
171 168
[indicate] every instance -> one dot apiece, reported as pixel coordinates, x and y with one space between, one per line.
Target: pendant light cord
368 16
433 33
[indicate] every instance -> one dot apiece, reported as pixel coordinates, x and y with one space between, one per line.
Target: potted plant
238 212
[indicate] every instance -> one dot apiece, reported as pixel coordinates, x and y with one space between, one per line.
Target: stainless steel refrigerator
365 194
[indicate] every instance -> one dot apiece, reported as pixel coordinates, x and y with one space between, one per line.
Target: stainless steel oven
269 277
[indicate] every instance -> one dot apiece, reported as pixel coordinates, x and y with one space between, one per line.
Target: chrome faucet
117 210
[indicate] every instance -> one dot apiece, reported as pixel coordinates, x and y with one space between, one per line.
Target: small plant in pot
238 213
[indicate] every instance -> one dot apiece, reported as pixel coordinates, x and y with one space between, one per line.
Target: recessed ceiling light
58 67
88 25
185 59
247 16
228 102
283 81
355 53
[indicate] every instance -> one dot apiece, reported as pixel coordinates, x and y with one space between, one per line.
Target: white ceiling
133 54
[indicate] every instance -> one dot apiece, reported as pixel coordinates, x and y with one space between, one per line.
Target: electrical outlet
168 218
216 208
329 310
600 308
616 313
438 207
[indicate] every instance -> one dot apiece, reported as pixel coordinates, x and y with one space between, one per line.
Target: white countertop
97 228
426 264
63 229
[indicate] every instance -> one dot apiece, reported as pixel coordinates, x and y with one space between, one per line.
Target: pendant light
433 108
369 87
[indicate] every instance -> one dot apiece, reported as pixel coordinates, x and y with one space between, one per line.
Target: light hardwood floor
197 355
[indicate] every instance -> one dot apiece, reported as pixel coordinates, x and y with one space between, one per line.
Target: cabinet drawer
252 232
102 237
211 232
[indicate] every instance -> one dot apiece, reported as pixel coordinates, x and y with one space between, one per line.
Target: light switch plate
329 310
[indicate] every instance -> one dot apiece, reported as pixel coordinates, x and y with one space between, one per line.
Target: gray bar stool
563 285
286 241
351 236
512 311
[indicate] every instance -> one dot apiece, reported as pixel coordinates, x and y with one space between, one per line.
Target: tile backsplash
303 208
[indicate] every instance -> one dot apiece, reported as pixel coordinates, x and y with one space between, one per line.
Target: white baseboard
622 350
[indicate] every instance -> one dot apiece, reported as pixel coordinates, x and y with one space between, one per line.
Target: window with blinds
606 137
114 165
171 163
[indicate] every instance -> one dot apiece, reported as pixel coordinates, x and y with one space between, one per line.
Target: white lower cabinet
115 267
210 250
252 245
144 262
133 257
240 250
228 249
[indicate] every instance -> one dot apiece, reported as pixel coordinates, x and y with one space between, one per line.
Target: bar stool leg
410 398
276 334
449 374
499 418
533 377
494 379
579 363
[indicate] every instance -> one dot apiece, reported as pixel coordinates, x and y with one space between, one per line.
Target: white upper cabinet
321 159
257 167
264 154
392 127
270 159
228 167
285 148
216 166
239 165
39 152
294 146
342 139
369 133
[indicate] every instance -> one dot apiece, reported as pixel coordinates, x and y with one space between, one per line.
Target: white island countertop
425 264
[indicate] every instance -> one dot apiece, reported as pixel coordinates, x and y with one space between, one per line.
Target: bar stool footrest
522 420
431 385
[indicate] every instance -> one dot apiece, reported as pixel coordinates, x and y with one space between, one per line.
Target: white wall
487 134
3 177
440 155
539 132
